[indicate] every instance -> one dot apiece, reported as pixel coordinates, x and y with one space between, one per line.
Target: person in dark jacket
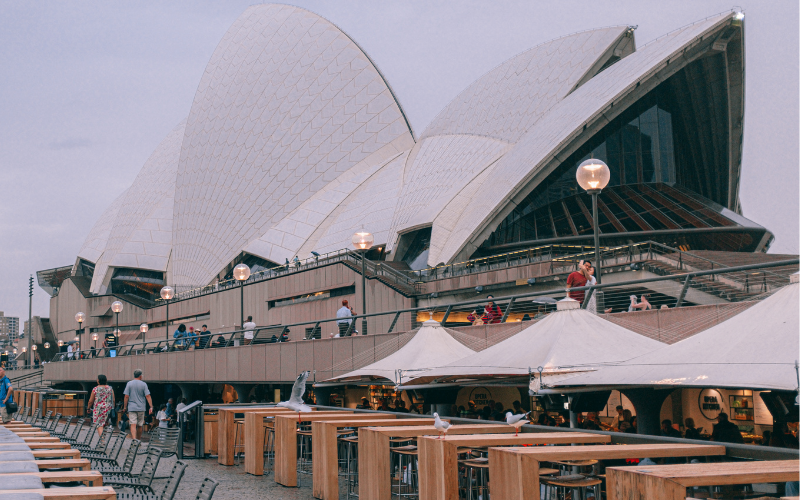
691 431
725 431
668 431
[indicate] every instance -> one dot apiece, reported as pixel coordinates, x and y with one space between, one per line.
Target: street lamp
167 293
47 345
60 342
80 318
593 175
241 273
362 241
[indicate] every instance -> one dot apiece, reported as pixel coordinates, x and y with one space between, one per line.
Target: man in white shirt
69 351
248 328
181 405
344 314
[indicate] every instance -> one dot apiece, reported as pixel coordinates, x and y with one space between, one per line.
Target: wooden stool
350 474
407 485
479 488
269 447
238 440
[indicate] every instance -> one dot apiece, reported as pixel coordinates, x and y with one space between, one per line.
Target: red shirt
492 314
574 280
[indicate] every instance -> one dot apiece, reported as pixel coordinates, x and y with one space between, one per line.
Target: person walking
248 328
137 397
5 393
101 401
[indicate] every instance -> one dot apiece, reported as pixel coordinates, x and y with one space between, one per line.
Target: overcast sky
89 89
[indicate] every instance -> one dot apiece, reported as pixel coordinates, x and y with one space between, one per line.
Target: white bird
296 399
516 420
440 425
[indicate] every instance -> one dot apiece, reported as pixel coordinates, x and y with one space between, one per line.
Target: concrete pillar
87 386
243 391
187 391
647 403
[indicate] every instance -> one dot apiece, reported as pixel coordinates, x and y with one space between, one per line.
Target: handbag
11 406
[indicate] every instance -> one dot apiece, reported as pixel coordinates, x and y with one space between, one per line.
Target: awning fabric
566 341
756 349
430 347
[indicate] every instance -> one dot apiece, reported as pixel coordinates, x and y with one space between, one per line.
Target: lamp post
143 328
593 175
94 338
241 273
116 306
30 316
80 318
167 293
362 241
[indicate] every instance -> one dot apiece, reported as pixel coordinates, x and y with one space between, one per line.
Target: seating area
386 456
45 456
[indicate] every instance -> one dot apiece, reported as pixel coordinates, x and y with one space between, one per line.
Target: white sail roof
756 349
430 347
570 339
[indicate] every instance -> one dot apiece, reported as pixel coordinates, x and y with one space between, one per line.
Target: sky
89 89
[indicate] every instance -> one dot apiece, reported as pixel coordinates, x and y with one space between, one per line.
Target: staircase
707 284
27 377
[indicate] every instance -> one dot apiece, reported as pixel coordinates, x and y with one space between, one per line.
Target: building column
187 391
647 403
242 391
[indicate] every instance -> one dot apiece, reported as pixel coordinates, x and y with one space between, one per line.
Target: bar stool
560 485
269 446
350 445
238 440
406 484
304 453
477 475
398 443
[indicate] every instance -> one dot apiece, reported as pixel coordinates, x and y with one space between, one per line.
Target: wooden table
514 472
669 482
77 493
254 425
65 476
325 446
40 439
286 440
48 446
62 453
64 463
37 433
374 457
438 459
226 430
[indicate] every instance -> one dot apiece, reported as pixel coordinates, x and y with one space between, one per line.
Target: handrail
279 331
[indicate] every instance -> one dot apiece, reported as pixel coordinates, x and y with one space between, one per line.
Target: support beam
647 403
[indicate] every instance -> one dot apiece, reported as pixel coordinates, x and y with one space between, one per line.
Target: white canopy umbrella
567 341
756 349
430 347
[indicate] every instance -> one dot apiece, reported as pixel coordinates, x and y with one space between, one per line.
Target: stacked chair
27 474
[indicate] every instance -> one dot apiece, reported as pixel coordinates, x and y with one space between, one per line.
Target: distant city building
9 326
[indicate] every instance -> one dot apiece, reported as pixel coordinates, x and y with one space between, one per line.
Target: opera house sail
295 138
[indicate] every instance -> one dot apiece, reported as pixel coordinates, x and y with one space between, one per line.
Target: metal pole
166 325
29 358
364 291
597 264
241 303
117 328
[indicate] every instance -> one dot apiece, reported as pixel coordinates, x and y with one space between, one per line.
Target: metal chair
305 459
350 444
165 440
125 468
269 447
34 417
404 481
112 441
102 443
53 424
22 414
238 440
45 421
63 431
206 490
76 432
576 484
139 482
167 492
477 478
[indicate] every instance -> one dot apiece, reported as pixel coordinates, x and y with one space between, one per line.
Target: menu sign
761 413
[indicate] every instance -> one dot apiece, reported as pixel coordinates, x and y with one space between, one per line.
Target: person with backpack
5 395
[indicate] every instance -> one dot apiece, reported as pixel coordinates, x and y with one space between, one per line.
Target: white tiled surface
467 215
294 141
505 102
287 104
142 232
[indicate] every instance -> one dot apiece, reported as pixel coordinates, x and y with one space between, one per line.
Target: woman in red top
102 399
492 312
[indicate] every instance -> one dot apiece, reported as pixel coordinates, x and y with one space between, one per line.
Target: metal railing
513 308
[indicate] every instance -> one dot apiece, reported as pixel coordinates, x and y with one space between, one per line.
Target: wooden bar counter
438 460
286 440
374 460
514 472
254 425
325 446
669 482
226 430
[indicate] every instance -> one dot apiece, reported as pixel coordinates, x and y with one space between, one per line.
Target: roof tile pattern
467 215
287 104
142 233
508 100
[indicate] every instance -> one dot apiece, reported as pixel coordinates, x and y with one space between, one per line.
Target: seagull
296 399
440 425
516 420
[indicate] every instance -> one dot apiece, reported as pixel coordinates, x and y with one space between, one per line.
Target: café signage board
711 403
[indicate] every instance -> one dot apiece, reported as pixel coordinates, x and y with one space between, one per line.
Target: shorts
4 416
136 418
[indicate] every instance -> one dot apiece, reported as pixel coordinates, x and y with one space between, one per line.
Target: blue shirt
179 335
5 383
